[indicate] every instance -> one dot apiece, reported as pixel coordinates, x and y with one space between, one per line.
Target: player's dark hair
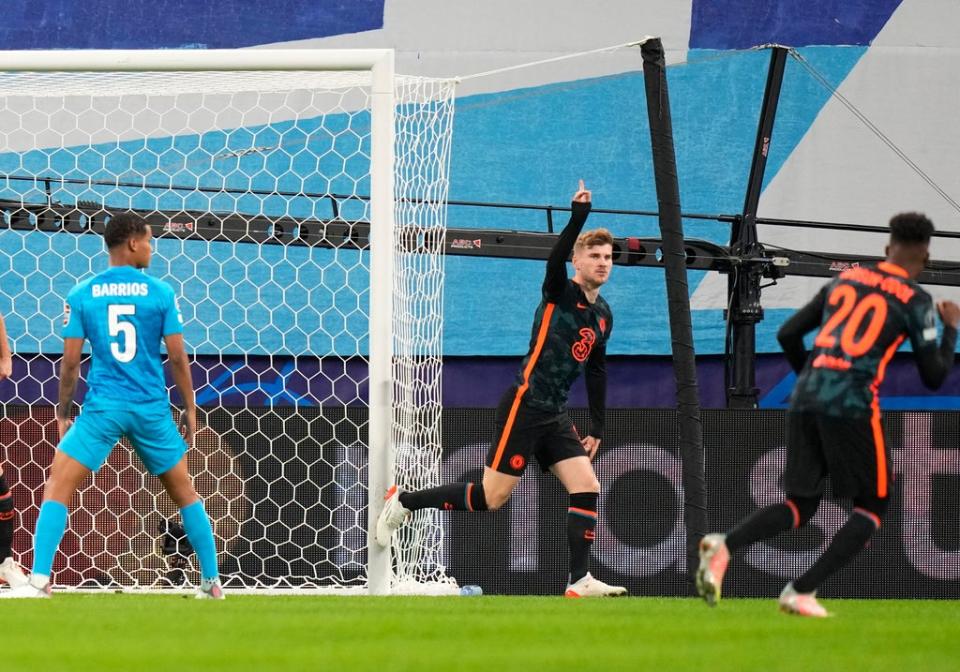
122 228
910 228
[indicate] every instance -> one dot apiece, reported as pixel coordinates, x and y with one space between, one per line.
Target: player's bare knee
585 485
496 499
181 491
57 488
185 497
497 488
582 483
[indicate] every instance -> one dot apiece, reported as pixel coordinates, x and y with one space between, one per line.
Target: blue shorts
152 433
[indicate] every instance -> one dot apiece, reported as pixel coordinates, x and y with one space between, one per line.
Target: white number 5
126 329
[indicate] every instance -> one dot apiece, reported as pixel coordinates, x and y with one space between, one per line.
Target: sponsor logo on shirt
831 362
581 349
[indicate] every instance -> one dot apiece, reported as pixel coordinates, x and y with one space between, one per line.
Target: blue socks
51 524
197 526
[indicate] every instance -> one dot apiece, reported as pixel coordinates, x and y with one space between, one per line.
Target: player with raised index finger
571 327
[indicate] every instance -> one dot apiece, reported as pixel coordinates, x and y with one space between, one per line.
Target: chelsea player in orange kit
833 426
571 327
124 314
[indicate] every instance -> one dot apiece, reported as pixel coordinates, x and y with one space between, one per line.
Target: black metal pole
678 298
743 285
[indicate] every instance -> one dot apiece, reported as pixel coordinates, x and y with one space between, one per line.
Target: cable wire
823 81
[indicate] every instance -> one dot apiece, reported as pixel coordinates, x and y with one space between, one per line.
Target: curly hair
122 228
910 228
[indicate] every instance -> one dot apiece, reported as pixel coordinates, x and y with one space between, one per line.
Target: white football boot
587 586
714 558
12 574
801 604
36 587
210 589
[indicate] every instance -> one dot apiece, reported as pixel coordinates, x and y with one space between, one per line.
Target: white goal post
235 135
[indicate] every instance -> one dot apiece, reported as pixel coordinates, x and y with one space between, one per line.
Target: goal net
300 211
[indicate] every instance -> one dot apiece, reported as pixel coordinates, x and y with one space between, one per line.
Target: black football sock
7 514
451 497
763 524
849 541
581 523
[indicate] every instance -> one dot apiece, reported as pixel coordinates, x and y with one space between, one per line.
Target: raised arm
799 325
6 358
180 371
555 281
933 362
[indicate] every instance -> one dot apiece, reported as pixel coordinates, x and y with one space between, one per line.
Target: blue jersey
124 314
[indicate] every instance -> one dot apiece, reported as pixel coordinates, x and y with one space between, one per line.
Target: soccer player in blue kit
124 314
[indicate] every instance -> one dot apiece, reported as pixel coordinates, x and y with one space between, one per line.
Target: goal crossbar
380 64
146 60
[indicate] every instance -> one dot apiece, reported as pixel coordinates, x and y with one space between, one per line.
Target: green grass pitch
493 634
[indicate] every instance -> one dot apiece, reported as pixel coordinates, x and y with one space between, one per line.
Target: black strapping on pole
743 285
678 298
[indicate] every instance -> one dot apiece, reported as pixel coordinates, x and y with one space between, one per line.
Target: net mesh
257 184
423 138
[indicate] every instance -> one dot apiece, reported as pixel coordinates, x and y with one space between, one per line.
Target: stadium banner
284 489
640 535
